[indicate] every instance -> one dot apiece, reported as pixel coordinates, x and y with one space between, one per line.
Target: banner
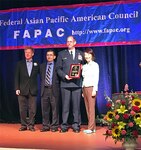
98 24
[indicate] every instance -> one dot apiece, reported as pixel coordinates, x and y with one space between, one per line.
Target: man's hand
67 77
17 92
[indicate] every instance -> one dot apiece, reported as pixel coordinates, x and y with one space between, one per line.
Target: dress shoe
44 129
23 129
76 130
54 130
63 130
31 128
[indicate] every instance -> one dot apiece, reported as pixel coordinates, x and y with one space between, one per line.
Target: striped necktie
48 75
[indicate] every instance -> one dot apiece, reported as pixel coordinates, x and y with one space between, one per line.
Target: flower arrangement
124 117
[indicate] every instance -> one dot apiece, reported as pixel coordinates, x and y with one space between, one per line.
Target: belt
87 86
48 86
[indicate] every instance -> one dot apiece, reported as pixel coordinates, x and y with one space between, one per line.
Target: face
50 56
28 54
71 42
88 57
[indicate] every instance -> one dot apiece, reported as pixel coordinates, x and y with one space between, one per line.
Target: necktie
48 75
29 67
71 54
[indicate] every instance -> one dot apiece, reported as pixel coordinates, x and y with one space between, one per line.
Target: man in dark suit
26 86
49 93
70 87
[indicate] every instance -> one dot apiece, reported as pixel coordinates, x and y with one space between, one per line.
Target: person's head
50 55
71 42
89 54
29 53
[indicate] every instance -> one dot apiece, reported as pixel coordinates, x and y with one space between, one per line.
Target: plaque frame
75 71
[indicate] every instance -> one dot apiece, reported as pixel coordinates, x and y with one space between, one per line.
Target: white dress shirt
90 73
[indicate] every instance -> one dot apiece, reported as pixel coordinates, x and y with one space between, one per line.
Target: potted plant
124 119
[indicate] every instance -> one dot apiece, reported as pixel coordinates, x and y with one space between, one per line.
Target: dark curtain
118 65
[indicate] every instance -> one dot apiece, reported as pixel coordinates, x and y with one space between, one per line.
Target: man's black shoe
54 130
23 129
76 130
44 129
63 130
31 128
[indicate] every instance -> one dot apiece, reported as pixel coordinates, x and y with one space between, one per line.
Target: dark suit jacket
23 81
64 62
55 79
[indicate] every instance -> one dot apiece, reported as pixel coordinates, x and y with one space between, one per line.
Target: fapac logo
37 33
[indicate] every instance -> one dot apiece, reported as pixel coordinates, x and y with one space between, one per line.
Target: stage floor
10 137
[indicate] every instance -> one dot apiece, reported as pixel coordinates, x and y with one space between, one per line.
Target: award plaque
75 70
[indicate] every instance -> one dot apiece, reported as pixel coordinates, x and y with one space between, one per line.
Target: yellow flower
110 115
136 102
116 131
137 119
137 115
121 125
122 109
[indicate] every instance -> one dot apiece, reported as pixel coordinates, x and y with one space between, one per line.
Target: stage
10 137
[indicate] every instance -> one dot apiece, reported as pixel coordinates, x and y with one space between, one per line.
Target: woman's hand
93 93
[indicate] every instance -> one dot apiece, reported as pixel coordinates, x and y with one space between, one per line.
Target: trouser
90 107
71 94
27 108
49 102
